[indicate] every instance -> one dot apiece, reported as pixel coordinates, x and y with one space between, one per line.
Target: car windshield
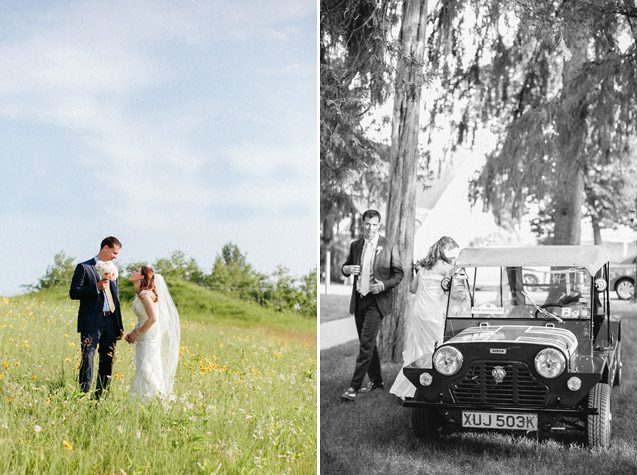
520 292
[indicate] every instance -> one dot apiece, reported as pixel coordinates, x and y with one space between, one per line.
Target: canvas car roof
590 257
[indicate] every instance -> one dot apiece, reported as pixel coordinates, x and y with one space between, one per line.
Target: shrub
231 273
179 267
285 292
60 273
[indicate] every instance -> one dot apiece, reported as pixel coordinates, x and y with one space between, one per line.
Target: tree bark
597 231
571 127
401 202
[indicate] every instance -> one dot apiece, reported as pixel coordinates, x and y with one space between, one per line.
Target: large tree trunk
571 127
401 203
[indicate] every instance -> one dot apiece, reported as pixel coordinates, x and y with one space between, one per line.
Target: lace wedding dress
157 350
424 325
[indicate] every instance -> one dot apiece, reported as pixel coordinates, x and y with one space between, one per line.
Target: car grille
519 387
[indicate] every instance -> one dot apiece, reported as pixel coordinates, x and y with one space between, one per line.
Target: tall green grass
245 393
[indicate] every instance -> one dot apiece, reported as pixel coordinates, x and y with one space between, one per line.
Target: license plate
499 420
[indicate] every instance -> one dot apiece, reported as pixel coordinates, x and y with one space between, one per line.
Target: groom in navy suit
99 318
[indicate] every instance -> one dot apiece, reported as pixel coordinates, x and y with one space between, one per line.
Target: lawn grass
373 435
333 307
245 394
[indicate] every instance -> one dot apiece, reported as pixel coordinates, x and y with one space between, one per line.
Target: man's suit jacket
387 268
84 289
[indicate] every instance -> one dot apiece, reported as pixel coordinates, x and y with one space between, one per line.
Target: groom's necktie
109 297
366 267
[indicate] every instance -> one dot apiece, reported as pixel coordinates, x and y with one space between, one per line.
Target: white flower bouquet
106 270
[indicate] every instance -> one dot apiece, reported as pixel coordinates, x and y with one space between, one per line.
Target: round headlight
447 360
574 383
550 363
425 379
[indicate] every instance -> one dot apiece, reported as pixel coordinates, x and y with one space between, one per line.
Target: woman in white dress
156 335
424 314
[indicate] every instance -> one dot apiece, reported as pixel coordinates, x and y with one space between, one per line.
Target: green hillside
197 303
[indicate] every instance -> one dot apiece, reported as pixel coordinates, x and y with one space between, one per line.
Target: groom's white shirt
369 251
105 307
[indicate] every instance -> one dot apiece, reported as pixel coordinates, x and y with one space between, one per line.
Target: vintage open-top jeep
530 344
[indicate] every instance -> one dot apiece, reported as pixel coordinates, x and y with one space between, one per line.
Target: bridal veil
169 333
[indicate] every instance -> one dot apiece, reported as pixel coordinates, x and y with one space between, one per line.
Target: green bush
178 266
231 273
286 292
60 273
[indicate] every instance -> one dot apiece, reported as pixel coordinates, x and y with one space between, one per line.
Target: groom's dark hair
371 213
110 241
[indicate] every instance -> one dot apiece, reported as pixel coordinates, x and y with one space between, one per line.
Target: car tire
625 288
426 423
598 427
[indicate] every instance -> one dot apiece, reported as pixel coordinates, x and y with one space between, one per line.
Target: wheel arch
621 279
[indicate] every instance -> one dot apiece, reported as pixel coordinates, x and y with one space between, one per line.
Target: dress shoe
371 386
349 394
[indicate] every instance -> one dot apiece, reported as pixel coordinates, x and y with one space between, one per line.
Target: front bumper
563 411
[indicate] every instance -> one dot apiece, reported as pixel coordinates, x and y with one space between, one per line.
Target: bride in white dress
156 335
424 313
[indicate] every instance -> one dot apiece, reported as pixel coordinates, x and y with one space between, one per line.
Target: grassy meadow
245 393
373 435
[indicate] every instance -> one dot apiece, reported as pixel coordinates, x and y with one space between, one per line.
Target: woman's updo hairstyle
148 281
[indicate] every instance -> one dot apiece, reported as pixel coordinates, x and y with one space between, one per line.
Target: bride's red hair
148 281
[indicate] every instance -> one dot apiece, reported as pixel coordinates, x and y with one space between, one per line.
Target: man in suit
376 266
99 318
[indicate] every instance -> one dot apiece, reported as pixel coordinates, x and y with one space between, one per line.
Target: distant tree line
231 274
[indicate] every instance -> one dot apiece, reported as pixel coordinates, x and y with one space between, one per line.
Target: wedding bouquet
106 270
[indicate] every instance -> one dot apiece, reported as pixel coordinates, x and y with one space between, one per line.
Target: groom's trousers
368 319
104 339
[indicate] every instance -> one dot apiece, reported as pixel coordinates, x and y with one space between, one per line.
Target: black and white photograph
478 237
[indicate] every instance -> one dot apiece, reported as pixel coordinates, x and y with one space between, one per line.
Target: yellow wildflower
67 445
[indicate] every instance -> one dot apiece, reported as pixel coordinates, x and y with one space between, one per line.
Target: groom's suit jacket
387 268
84 289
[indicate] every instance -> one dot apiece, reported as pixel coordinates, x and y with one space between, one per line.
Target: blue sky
171 125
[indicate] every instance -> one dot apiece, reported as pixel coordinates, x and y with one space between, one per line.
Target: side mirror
600 285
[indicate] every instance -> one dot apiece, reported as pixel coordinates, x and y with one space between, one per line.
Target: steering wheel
537 312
